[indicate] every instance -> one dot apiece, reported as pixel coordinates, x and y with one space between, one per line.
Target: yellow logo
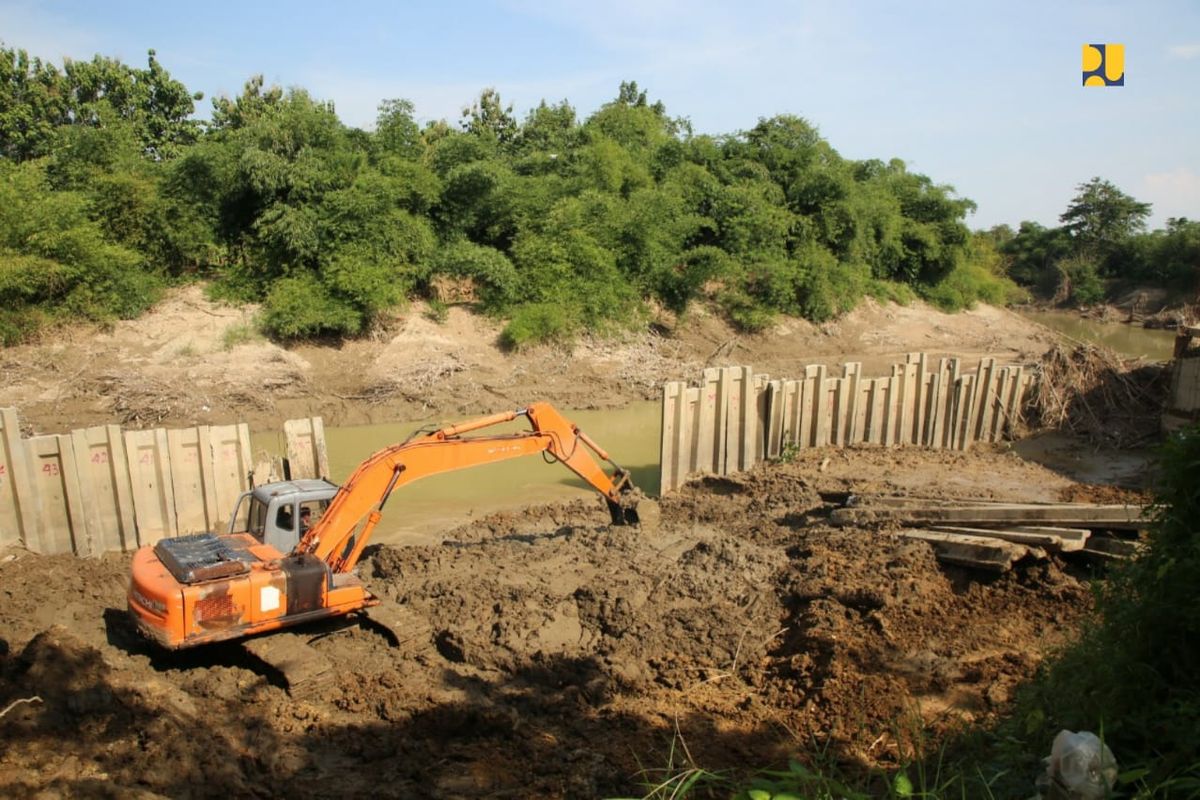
1104 65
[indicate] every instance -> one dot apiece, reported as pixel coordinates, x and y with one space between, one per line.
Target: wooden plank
724 396
837 421
306 452
666 458
101 517
934 413
742 420
756 442
966 435
793 398
231 467
853 425
706 427
987 402
322 452
208 471
1022 388
298 435
682 432
971 551
891 412
775 409
149 461
84 541
807 422
51 513
691 415
908 394
995 407
822 408
1067 540
921 400
735 418
122 486
875 427
1069 515
1005 425
15 489
187 480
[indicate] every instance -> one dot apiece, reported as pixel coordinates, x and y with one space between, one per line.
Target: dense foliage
1101 247
558 224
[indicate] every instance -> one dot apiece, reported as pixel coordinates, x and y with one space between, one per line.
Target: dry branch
1089 390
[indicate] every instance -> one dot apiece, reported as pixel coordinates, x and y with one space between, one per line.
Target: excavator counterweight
207 587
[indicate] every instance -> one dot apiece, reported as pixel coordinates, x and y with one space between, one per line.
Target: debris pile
1090 391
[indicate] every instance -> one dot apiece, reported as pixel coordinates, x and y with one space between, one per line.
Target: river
1131 341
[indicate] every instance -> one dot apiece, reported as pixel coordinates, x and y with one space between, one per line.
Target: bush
491 270
1134 674
1082 280
539 322
55 261
303 307
968 284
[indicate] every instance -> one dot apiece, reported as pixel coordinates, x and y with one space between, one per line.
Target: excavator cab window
257 521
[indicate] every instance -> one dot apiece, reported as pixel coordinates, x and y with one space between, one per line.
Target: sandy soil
567 658
192 361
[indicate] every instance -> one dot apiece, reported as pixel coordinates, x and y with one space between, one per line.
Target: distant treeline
1101 249
110 190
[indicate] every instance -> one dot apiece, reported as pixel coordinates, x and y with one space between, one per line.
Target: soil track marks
567 656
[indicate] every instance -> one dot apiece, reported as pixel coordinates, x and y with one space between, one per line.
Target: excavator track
290 654
408 631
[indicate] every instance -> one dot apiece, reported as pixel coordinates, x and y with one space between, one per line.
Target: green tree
32 105
1100 217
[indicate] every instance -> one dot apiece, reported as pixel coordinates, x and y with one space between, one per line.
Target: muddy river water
1129 340
423 511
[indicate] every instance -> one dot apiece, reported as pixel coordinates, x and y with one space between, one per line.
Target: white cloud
1184 51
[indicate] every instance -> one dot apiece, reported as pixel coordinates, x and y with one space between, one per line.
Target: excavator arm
339 537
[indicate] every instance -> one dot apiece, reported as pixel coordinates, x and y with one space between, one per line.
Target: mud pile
569 658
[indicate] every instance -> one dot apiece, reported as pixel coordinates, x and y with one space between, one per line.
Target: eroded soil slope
191 361
566 658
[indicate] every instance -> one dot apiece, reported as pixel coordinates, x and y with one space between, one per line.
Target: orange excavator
274 573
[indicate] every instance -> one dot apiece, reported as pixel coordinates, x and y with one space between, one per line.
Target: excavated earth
567 658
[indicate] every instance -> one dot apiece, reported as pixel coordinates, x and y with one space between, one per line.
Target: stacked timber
995 535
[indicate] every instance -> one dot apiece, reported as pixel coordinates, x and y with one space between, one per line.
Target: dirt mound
567 657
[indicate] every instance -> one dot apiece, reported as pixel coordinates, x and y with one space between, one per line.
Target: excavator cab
278 514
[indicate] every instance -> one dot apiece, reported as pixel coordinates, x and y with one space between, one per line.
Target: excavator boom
343 530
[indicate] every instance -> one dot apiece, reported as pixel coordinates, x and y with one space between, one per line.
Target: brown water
1129 340
421 512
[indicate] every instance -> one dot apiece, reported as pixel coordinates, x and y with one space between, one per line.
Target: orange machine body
274 590
207 587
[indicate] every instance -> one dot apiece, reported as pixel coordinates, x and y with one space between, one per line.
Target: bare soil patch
568 658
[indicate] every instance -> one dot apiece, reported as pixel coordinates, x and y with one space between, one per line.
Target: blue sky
984 96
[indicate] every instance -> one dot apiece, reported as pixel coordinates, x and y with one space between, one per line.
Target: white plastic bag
1080 767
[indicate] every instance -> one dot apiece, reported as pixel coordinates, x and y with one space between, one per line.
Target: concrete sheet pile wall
102 489
1183 398
734 418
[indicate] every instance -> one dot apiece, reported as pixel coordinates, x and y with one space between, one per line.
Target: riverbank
191 361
